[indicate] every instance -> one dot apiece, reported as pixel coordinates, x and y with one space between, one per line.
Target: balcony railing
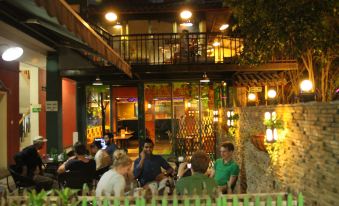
175 48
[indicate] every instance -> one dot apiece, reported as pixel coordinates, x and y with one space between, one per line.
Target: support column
81 112
141 112
53 93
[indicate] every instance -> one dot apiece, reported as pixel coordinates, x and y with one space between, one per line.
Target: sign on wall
255 89
36 108
51 106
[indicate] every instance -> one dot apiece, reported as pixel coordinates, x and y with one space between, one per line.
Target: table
122 142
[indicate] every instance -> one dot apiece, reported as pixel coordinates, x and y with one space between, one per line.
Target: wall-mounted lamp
10 53
230 118
149 105
272 125
215 116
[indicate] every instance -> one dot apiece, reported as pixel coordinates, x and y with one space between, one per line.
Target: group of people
152 172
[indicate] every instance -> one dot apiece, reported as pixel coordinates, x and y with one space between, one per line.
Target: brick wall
305 159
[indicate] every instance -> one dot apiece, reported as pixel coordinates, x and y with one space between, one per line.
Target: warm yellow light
187 23
271 93
267 115
223 27
269 135
228 122
306 85
186 14
149 106
189 104
228 114
252 97
274 115
117 26
111 16
275 134
216 43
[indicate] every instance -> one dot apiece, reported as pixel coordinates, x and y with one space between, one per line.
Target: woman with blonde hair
113 181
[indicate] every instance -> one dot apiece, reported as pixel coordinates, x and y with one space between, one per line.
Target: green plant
274 123
65 195
36 199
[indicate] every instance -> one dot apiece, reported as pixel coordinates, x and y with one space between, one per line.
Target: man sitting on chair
147 168
226 170
29 164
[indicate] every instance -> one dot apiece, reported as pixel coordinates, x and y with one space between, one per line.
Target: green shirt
223 171
196 182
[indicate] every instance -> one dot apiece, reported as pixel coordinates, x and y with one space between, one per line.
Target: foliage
36 199
65 195
303 30
274 123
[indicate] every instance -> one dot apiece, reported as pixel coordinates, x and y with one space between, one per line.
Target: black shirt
29 157
78 165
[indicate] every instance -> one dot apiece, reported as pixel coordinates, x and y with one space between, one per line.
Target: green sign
36 109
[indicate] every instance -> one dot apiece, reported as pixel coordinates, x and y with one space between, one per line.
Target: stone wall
305 159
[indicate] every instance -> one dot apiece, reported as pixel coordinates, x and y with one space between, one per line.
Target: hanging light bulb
204 79
97 82
252 97
271 93
306 86
111 16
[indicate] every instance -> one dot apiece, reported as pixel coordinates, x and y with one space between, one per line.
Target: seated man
147 168
226 170
198 181
79 162
101 157
111 147
29 164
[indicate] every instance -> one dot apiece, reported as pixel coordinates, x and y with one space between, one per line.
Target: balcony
177 48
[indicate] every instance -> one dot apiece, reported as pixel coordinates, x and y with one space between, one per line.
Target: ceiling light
12 53
186 14
186 23
216 43
223 27
111 16
97 82
204 79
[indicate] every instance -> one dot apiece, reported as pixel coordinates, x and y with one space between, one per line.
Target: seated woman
79 162
113 181
101 157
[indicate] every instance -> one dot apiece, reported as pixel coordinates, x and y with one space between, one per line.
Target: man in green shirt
198 181
226 170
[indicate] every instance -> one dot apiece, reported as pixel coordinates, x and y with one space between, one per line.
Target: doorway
3 129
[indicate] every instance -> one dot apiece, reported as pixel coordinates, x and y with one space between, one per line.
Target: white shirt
98 159
111 183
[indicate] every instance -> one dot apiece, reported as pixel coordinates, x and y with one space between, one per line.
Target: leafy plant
274 123
65 195
36 199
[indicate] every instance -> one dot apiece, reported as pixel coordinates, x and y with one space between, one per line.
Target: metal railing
178 48
174 48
